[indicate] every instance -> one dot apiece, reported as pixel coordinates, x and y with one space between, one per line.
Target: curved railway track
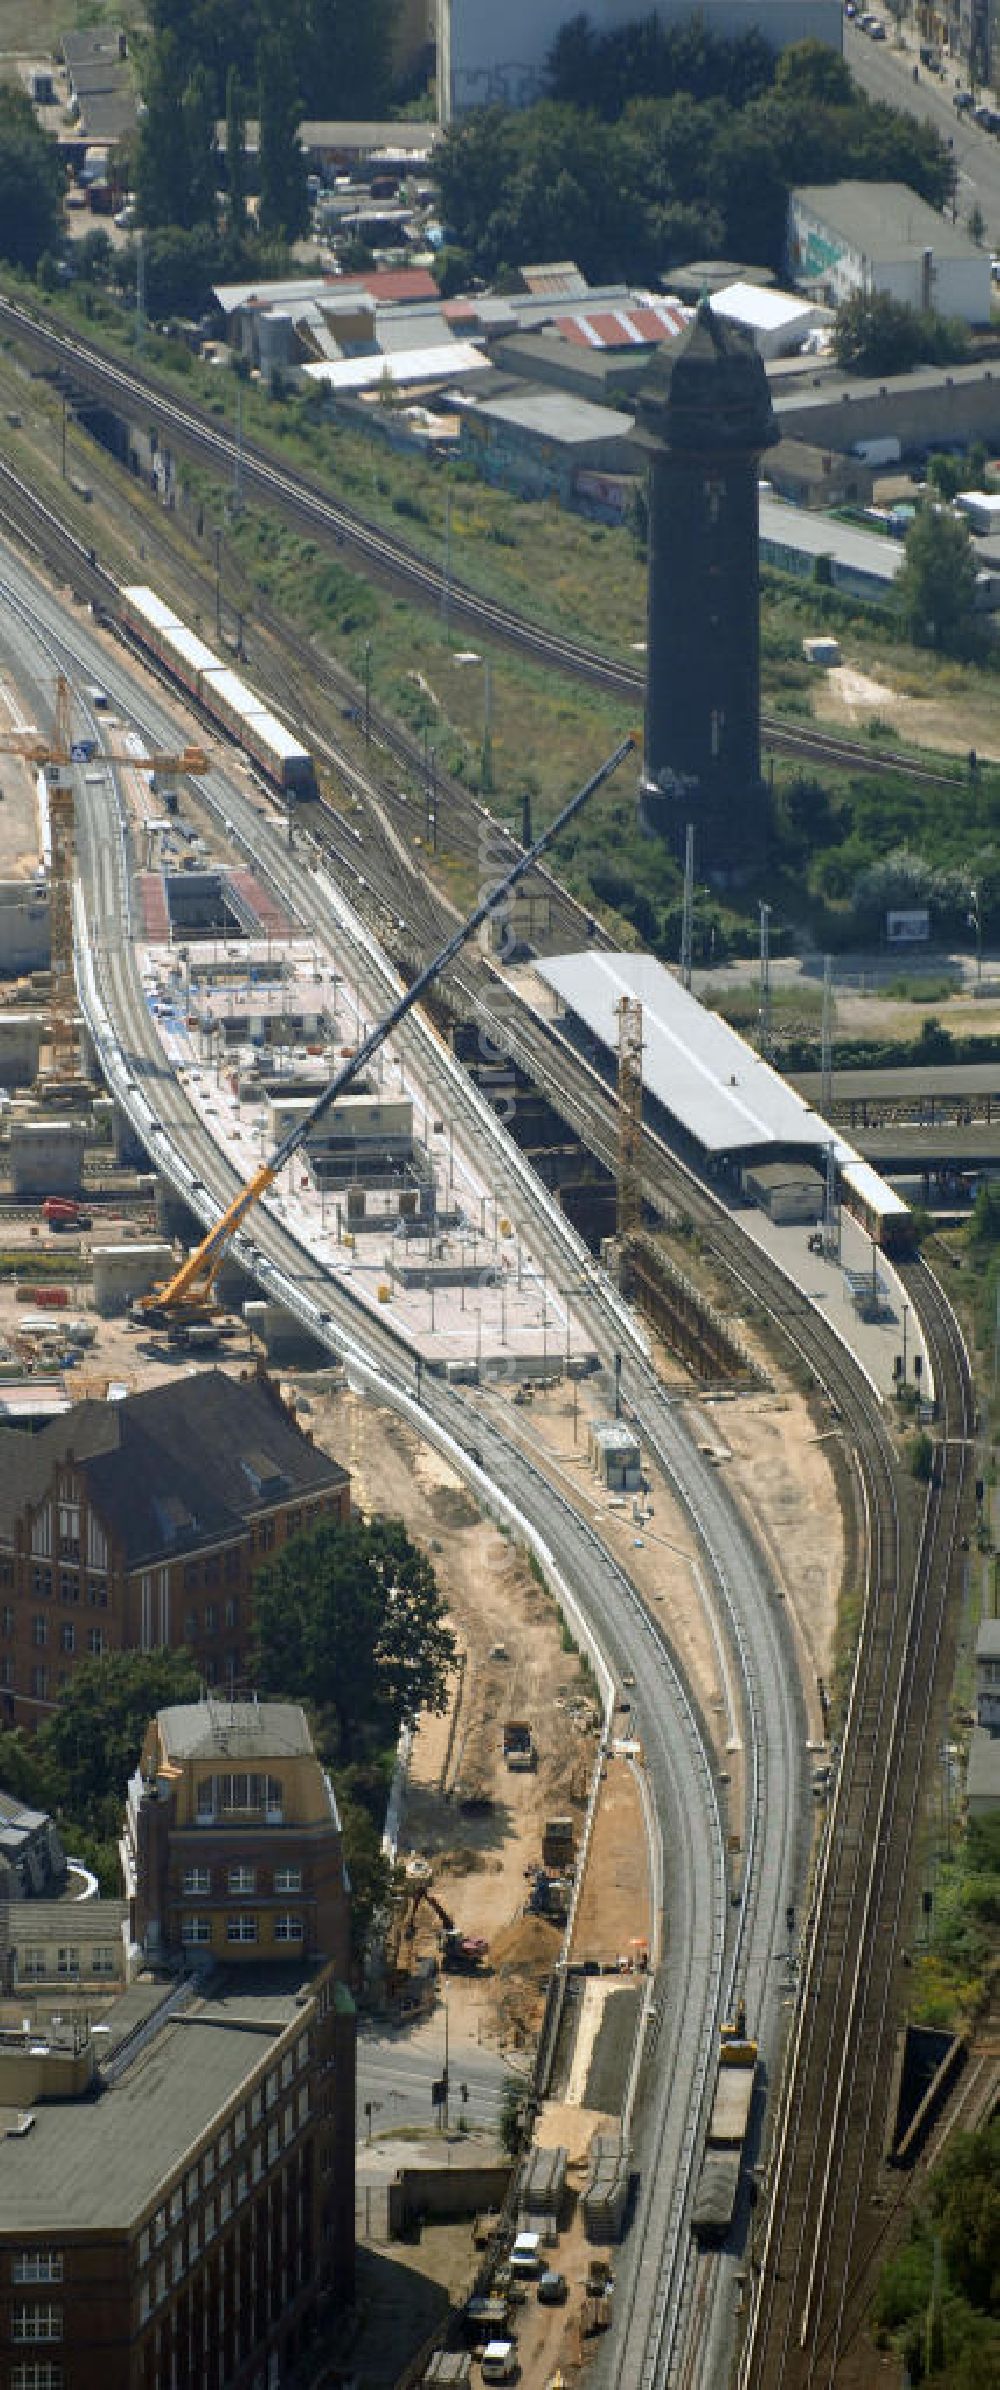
817 2255
392 559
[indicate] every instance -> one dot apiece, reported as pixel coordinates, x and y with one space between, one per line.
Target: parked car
553 2289
962 101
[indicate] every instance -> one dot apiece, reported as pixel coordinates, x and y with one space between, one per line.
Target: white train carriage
887 1219
227 699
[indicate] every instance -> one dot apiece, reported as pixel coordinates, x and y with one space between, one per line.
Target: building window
39 1631
7 1621
67 1635
37 2265
41 2322
196 1930
69 1585
69 1530
97 1594
40 1684
240 1796
32 1968
96 1642
37 2373
7 1674
288 1879
293 1522
212 1569
211 1618
232 1614
242 1927
104 1959
265 1535
197 1879
41 1533
68 1962
242 1879
288 1929
41 1583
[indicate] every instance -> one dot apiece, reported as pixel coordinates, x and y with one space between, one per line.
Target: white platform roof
692 1061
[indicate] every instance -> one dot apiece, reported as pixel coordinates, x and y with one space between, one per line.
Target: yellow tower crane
57 757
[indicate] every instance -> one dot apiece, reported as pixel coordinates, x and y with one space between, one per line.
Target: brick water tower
704 419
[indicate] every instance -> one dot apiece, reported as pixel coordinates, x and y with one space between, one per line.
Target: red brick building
135 1525
180 2215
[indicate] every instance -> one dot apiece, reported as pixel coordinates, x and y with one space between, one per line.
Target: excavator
187 1300
461 1953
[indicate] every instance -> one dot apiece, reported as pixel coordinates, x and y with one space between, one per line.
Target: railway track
823 2226
800 2329
396 561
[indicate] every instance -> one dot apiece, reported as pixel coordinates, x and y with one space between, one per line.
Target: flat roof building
176 2201
853 236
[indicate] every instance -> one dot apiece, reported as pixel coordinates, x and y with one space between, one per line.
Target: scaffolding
628 1188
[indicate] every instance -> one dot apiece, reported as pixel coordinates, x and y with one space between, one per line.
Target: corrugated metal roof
702 1072
443 363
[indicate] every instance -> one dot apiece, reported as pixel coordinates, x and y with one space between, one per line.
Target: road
886 73
396 2070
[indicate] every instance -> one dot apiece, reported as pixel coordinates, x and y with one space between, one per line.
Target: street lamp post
977 924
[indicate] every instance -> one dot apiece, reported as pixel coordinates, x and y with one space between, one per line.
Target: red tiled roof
401 282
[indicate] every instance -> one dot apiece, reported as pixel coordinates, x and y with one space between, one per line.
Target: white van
499 2361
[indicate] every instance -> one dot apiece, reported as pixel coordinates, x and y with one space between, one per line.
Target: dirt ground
512 1664
848 699
613 1914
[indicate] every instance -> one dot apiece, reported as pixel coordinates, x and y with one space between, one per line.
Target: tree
236 152
160 140
351 1618
936 588
965 2198
876 334
92 1740
946 475
284 195
198 123
31 183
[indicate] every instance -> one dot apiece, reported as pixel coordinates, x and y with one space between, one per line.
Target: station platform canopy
703 1073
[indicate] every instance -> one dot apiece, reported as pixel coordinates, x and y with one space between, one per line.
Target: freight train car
224 697
719 2179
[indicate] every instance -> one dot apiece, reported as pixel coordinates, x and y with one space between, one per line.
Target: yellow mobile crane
188 1298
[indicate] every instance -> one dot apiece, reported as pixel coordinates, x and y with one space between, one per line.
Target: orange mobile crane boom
188 1297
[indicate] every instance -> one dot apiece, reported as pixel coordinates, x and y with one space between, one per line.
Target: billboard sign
908 929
